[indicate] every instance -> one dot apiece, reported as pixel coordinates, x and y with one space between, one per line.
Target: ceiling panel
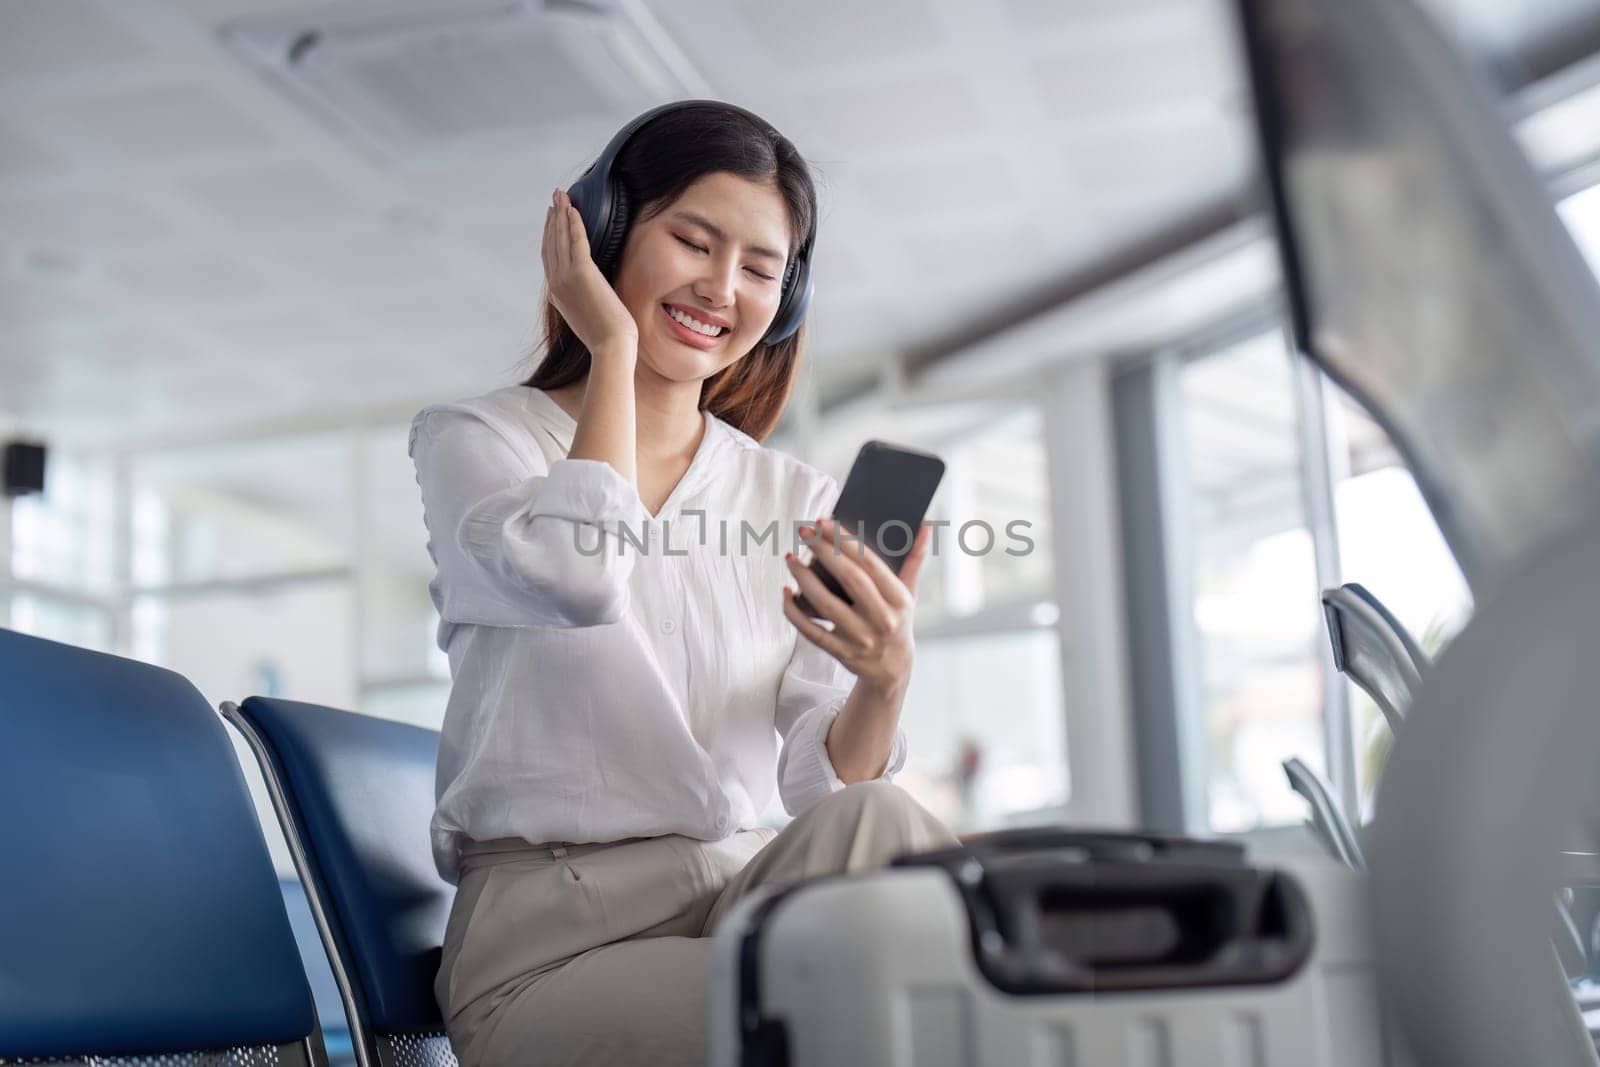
277 195
162 122
882 116
185 276
829 35
22 157
81 218
161 200
55 38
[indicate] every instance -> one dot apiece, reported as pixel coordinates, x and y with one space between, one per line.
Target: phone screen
883 502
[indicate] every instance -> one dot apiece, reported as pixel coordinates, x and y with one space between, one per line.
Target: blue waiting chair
140 917
354 795
314 960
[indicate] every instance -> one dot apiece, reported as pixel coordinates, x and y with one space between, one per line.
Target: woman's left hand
872 636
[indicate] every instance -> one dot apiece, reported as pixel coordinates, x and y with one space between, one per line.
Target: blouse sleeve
516 546
811 694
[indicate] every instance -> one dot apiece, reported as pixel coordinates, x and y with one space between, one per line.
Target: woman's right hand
577 288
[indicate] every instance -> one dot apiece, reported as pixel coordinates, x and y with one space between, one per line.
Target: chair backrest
1372 647
1327 819
355 795
139 912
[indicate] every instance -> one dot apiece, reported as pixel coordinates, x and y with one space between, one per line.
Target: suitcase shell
1048 947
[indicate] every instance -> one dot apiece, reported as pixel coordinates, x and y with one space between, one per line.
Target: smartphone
888 485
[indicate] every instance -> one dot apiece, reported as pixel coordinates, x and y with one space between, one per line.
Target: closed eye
702 251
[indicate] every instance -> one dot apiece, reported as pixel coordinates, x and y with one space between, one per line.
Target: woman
625 652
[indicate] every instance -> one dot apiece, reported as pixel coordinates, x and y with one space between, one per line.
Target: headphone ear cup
606 249
797 293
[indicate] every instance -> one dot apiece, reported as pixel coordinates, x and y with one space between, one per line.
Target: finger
812 632
563 232
915 559
883 577
851 560
547 241
580 240
552 260
844 618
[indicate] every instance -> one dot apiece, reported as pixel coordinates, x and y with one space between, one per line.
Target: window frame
1170 746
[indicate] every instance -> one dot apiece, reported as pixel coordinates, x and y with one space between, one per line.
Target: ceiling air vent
417 80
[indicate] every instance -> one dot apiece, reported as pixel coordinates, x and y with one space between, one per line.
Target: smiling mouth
669 312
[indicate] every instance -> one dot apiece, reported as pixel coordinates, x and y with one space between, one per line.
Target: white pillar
1088 587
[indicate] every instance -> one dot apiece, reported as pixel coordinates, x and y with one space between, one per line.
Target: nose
716 283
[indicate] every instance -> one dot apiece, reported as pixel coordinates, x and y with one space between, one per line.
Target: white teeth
694 324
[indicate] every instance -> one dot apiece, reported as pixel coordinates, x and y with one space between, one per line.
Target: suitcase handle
1059 913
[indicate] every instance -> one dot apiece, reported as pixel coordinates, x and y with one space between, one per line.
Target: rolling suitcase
1043 946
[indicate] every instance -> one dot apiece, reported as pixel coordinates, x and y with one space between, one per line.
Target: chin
680 365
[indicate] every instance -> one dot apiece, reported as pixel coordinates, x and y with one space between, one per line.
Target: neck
668 418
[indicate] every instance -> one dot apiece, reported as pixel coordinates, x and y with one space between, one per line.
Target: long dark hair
661 160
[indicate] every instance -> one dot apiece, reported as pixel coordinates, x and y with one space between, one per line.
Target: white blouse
616 675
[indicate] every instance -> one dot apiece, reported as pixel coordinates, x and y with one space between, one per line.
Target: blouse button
667 626
722 823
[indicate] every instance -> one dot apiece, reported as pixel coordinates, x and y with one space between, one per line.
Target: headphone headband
607 214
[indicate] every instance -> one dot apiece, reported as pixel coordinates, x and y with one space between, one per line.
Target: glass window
243 510
317 534
1253 580
399 626
1581 213
985 730
62 544
84 625
64 535
984 716
995 485
1388 540
289 639
1005 467
420 703
241 560
1389 543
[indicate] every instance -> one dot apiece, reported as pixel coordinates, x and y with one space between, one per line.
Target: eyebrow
715 231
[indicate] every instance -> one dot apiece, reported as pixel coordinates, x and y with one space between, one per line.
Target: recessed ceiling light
415 81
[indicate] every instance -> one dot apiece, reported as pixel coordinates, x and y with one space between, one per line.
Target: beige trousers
600 953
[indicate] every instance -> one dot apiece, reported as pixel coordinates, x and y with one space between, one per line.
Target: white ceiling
185 250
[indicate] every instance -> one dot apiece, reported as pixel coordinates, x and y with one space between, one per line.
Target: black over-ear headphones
603 204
